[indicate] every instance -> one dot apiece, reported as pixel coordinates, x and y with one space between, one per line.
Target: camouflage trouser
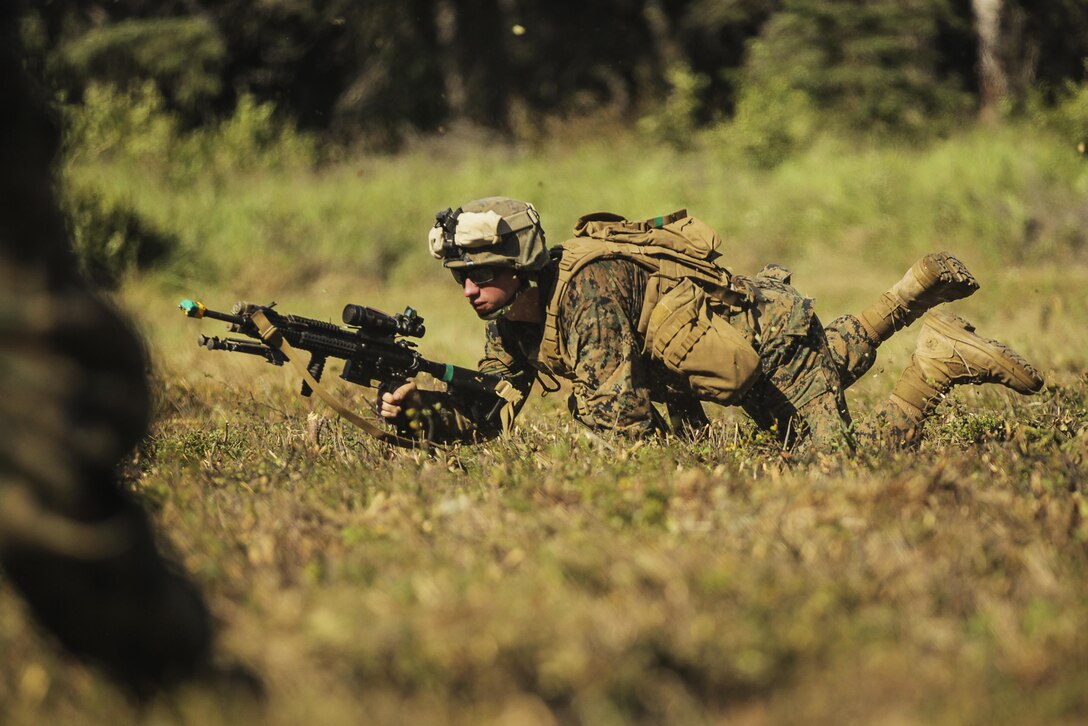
73 401
807 368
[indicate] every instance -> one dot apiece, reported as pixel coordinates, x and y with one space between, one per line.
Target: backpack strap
672 247
577 253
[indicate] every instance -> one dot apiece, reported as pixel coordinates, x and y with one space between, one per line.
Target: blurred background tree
375 71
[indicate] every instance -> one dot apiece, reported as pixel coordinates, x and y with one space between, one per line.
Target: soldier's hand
404 398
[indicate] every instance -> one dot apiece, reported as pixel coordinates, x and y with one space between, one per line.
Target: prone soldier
634 313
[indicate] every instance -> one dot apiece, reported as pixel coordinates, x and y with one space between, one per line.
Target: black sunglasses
479 275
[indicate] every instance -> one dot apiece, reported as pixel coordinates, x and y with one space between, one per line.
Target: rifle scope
407 323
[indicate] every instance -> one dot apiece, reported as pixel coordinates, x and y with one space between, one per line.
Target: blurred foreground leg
73 401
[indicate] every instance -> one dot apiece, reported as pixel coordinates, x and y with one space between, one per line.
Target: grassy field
550 577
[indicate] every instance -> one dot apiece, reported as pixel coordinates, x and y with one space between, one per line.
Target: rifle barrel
197 309
459 377
225 317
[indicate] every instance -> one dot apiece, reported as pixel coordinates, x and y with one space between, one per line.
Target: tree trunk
473 33
446 30
993 81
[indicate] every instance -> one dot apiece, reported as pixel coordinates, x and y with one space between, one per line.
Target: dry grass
553 577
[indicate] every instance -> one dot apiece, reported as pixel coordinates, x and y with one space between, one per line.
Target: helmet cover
494 231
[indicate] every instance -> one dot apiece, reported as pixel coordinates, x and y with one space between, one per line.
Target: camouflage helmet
493 232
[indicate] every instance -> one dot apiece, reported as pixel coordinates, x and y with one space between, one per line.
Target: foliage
252 137
551 576
136 125
110 122
110 237
1004 196
870 67
1045 45
118 229
380 71
675 122
183 57
360 70
1069 116
555 577
773 122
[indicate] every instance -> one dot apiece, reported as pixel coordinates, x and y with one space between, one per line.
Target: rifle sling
272 337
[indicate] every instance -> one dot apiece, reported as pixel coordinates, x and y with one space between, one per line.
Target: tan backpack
685 315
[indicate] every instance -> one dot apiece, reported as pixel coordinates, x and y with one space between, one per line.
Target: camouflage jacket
614 382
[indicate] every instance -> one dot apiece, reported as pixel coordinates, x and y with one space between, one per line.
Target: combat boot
950 353
936 278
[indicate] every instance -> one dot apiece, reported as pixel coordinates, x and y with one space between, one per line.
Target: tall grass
551 576
1002 196
847 219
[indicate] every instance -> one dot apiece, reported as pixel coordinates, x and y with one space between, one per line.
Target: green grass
554 576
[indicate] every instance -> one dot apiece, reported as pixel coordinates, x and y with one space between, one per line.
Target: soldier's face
487 297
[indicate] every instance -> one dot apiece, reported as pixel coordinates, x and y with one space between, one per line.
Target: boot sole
956 281
1020 375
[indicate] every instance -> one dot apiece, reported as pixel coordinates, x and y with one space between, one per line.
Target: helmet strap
526 283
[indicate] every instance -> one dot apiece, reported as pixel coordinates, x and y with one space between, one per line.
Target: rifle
373 345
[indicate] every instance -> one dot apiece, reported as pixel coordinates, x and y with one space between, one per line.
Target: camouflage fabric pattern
888 427
806 367
782 326
615 384
800 396
827 427
73 401
852 351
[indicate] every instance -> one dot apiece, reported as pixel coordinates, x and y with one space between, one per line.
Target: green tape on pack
448 375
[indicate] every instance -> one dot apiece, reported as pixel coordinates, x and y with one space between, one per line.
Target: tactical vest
682 316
